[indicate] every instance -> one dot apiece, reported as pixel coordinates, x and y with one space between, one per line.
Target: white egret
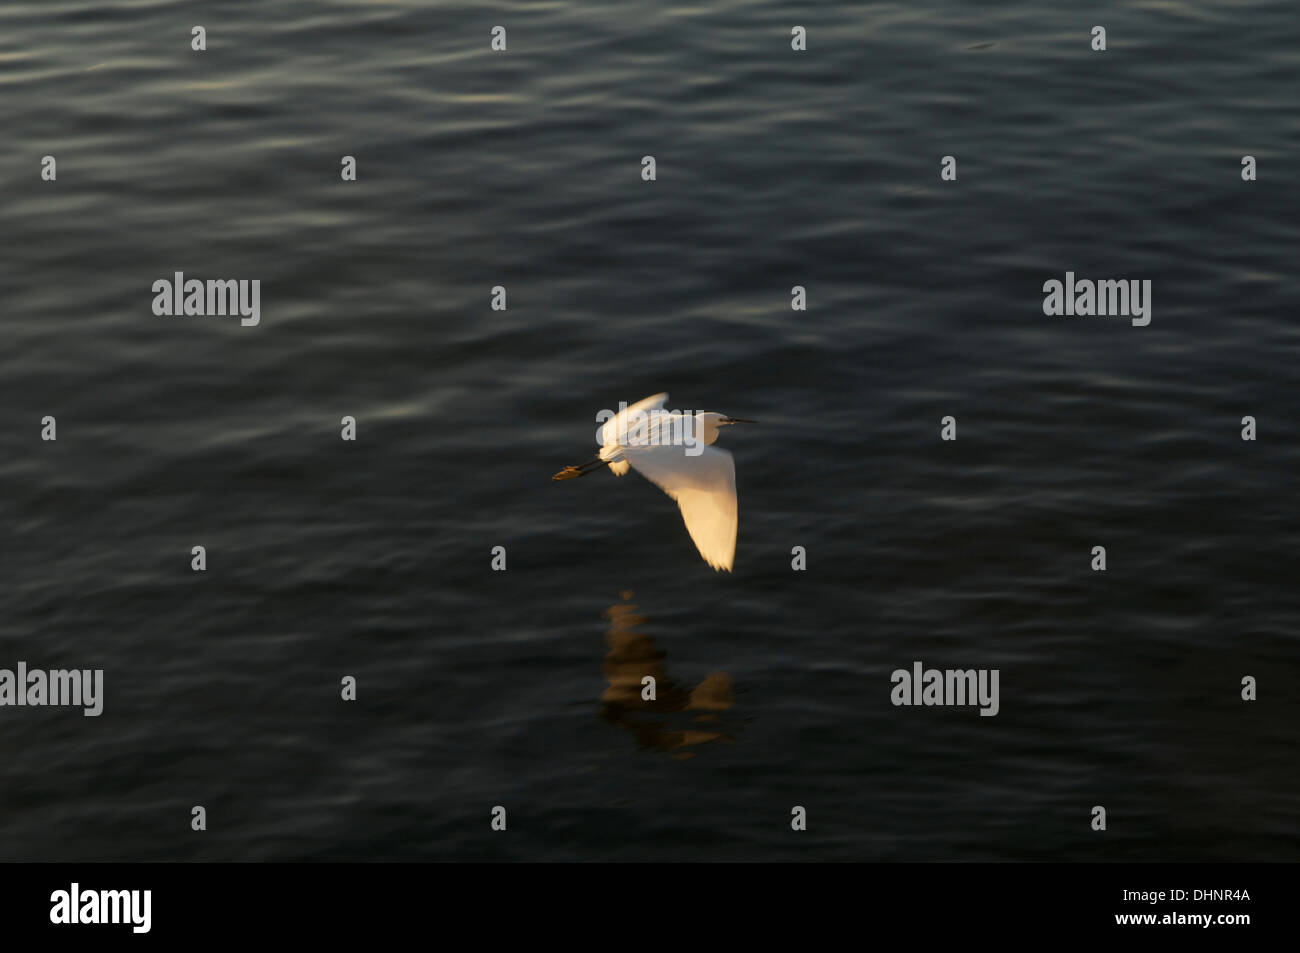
675 452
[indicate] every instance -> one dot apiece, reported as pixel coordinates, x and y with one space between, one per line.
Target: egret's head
709 423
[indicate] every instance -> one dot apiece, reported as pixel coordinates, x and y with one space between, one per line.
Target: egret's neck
706 428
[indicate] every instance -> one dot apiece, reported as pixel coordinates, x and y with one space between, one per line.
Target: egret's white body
674 451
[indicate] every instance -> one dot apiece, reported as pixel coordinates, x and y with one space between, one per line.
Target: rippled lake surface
522 688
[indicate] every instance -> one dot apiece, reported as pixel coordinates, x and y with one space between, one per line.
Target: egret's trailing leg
582 469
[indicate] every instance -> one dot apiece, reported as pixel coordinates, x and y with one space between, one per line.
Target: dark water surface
521 688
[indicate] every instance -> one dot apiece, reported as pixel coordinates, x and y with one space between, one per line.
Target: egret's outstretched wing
615 429
704 486
633 425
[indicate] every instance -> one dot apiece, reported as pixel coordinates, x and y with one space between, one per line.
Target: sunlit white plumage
674 451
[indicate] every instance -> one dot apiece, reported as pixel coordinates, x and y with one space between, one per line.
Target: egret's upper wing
615 429
704 486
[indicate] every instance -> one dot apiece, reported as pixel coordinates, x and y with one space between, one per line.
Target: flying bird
675 451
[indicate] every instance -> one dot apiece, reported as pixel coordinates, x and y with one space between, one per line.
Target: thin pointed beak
737 420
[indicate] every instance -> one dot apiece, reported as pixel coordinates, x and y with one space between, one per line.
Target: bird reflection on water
678 719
